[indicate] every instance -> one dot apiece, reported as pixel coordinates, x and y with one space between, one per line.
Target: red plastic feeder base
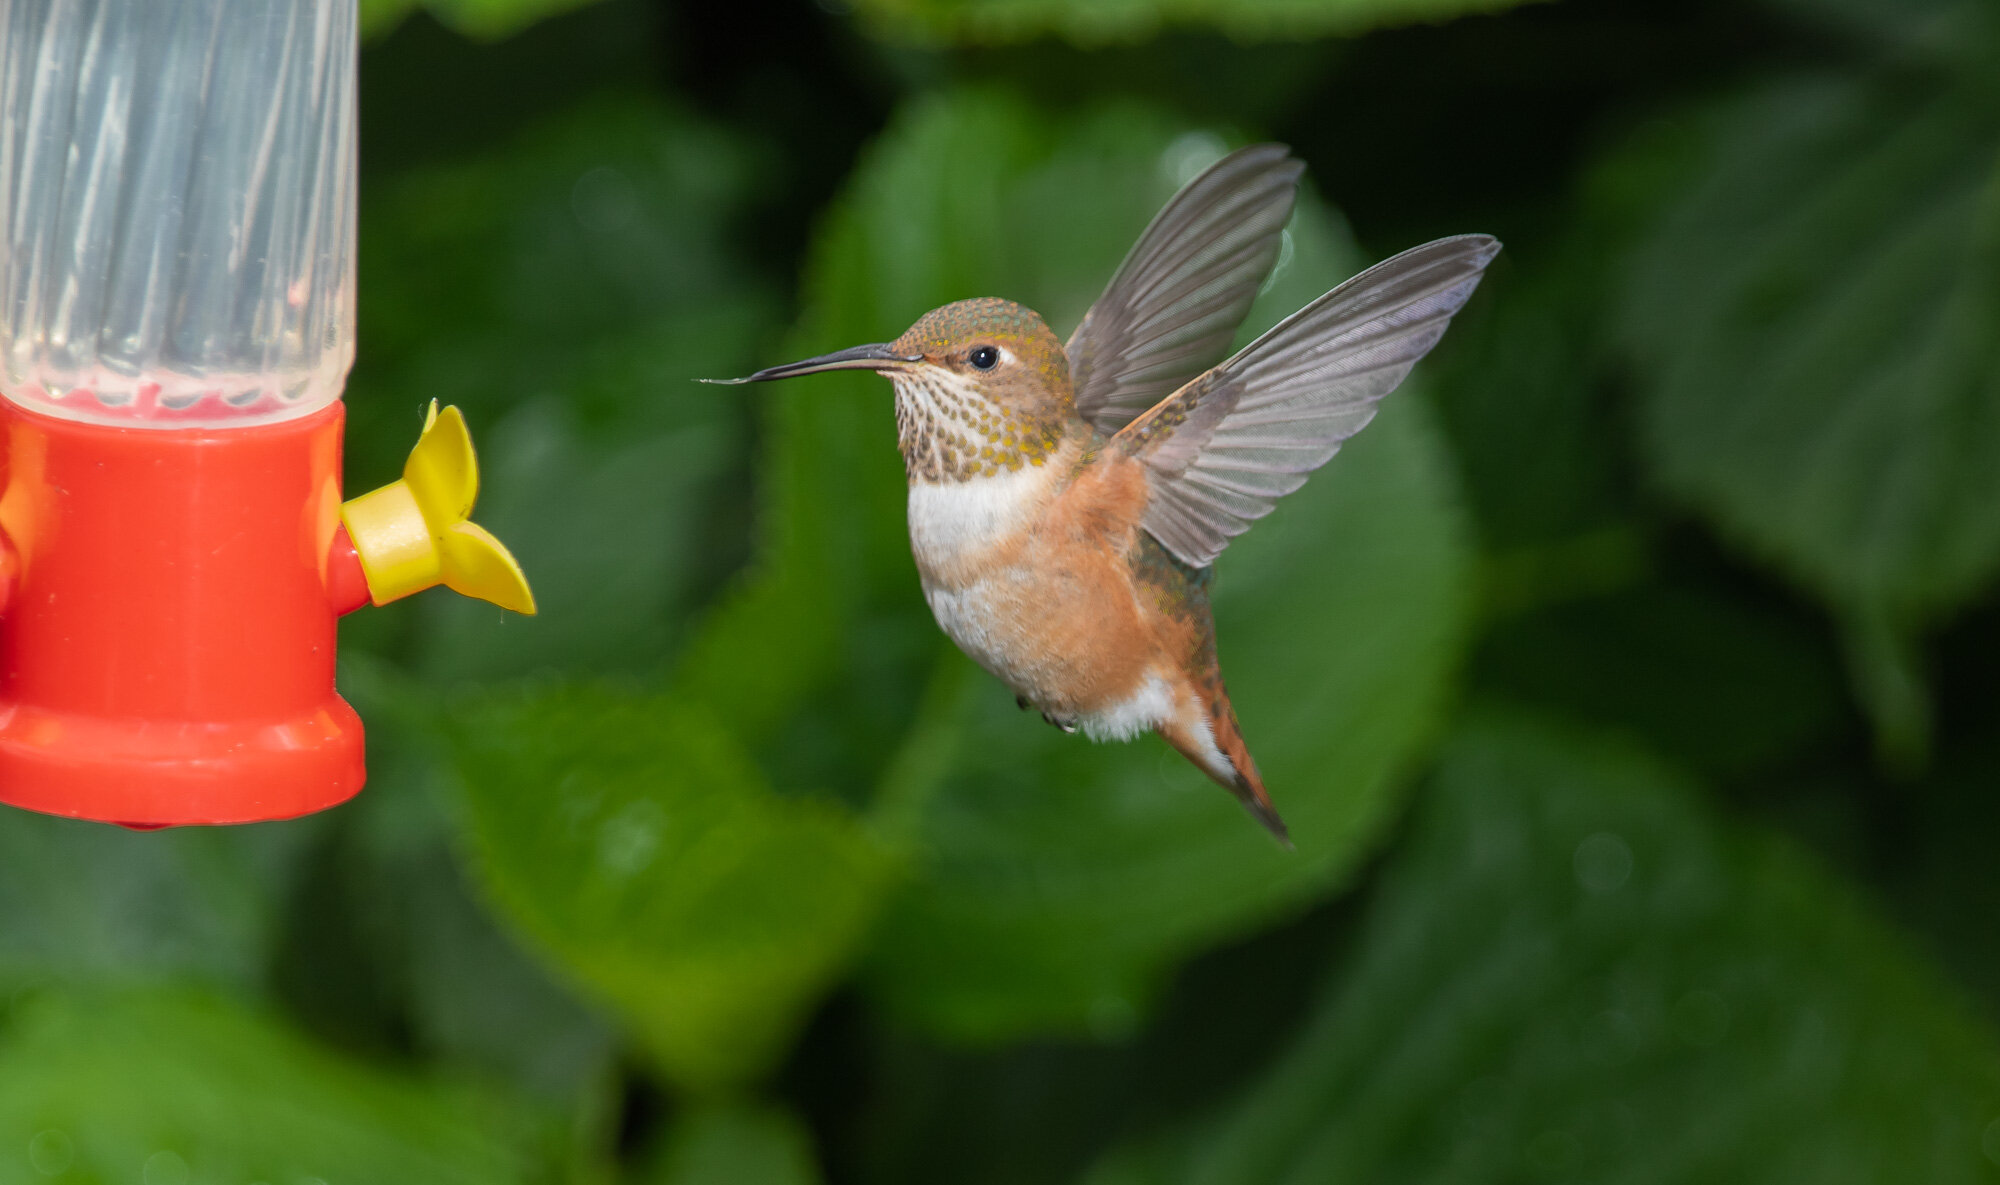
151 773
166 627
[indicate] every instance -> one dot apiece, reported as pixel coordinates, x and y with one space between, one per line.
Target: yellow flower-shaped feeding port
415 533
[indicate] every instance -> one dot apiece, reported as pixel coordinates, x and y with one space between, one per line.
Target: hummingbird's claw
1021 702
1066 723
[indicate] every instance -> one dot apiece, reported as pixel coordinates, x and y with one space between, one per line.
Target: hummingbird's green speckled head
1001 347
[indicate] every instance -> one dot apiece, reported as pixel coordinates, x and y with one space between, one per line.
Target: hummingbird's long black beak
876 357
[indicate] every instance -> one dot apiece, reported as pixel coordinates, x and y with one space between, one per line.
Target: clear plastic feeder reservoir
177 198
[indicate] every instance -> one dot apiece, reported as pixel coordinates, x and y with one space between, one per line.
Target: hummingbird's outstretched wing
1228 445
1173 306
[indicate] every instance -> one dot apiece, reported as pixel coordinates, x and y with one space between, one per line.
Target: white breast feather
957 522
951 521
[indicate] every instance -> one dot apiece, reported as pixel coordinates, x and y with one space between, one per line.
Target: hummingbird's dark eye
984 358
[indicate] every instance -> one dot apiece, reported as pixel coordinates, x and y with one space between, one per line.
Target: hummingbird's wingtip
1485 246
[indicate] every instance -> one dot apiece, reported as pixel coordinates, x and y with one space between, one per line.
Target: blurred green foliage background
1630 686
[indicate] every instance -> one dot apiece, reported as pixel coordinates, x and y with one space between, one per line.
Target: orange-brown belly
1028 576
1066 636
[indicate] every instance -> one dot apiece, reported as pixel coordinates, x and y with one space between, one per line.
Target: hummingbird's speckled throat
948 432
957 420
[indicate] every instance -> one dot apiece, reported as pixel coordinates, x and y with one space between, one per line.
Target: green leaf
1957 33
1814 320
635 845
1716 683
734 1144
458 990
1102 22
87 903
611 521
487 20
1949 897
1519 388
567 289
586 259
1523 391
1059 878
164 1087
1532 386
1574 973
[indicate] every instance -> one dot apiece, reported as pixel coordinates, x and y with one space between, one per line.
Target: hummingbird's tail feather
1214 742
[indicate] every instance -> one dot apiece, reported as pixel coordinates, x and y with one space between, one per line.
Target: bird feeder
177 197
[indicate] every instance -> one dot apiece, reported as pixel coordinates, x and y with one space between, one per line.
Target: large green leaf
1814 318
1099 22
396 926
633 842
186 1090
1575 973
733 1144
1720 685
1058 877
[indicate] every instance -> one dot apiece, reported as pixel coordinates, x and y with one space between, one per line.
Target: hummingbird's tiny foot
1066 723
1021 702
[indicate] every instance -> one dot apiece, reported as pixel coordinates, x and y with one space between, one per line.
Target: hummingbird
1068 500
